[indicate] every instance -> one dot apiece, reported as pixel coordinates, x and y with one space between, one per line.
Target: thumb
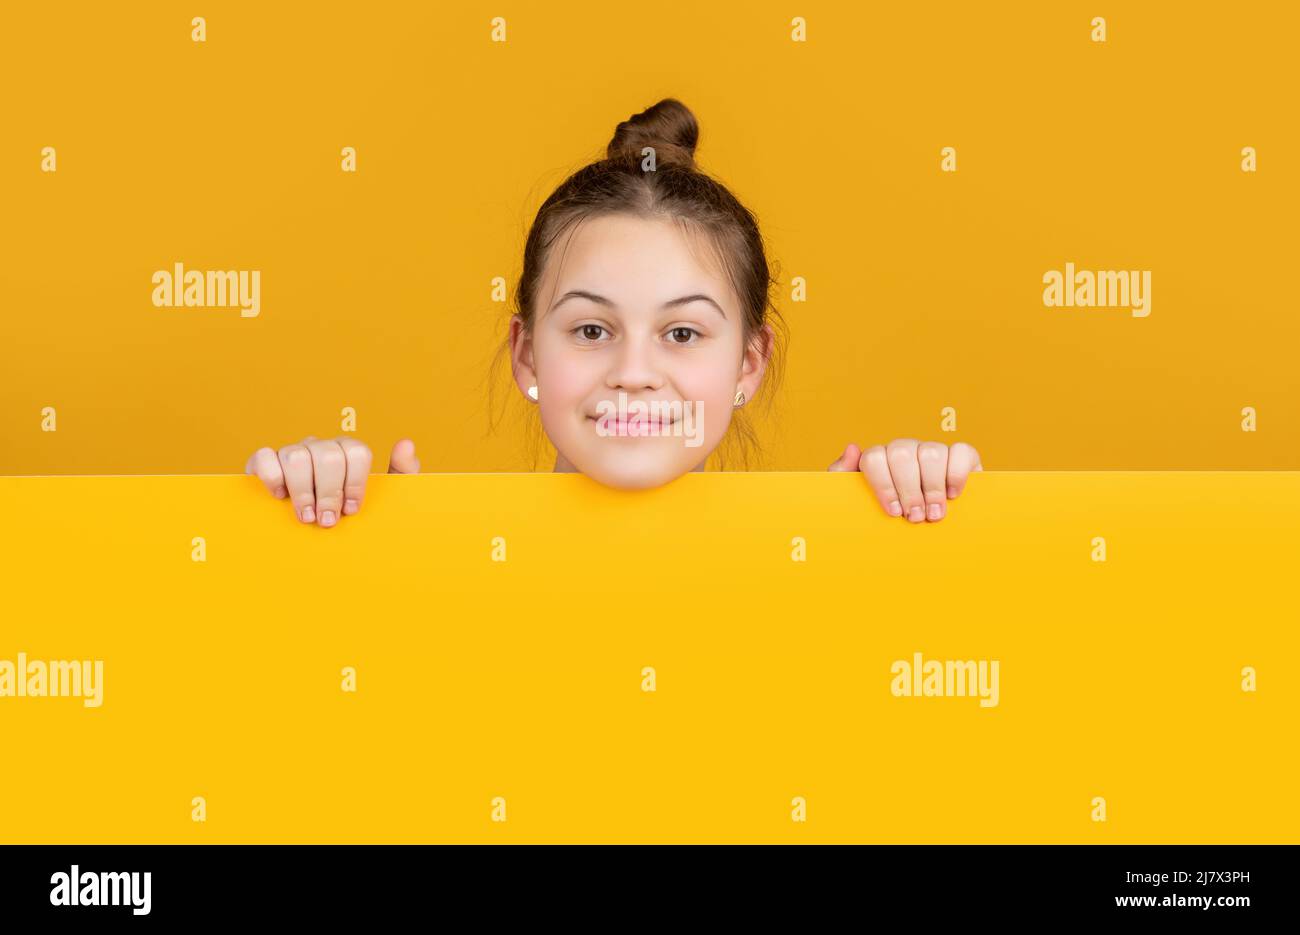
403 459
849 460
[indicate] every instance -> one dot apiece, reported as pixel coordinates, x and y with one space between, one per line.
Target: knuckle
900 454
932 451
330 456
908 495
873 458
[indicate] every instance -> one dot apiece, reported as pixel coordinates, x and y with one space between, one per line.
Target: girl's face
629 312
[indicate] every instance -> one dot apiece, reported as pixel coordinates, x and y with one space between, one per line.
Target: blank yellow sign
532 657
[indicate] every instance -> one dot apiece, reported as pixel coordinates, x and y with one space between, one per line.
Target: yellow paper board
488 688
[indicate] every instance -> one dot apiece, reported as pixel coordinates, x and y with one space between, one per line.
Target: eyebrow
600 299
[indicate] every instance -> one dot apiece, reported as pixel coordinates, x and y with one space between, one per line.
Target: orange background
924 288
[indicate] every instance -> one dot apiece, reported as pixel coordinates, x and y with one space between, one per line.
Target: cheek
564 379
713 382
712 377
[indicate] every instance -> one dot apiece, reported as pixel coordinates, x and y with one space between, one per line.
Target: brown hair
676 190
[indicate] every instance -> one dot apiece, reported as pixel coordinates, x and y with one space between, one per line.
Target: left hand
913 478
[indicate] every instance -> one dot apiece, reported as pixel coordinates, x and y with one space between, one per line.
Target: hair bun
669 127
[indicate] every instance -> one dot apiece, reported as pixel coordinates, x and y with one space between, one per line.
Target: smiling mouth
634 427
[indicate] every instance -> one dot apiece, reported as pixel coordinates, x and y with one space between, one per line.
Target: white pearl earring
532 393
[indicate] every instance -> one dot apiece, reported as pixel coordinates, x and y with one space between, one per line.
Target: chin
634 477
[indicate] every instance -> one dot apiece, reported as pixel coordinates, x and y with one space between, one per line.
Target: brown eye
688 332
586 332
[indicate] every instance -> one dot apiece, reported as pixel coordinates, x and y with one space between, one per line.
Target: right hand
325 479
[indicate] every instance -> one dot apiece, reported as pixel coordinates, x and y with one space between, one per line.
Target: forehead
633 260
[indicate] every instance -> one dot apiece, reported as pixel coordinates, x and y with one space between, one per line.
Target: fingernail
952 493
916 514
279 493
308 515
327 517
895 508
936 511
349 507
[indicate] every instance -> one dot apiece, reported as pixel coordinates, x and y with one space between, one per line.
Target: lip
615 425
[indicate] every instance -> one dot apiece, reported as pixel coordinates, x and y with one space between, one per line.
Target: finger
962 459
330 467
295 462
403 459
875 466
847 461
266 466
358 458
933 458
906 474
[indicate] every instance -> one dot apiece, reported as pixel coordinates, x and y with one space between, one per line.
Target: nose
634 366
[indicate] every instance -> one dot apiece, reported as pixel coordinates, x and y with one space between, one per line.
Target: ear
755 360
521 355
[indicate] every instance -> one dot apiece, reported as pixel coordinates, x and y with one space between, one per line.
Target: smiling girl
644 325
